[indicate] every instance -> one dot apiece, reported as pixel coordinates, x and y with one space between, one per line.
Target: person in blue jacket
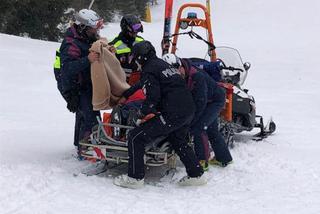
209 99
76 86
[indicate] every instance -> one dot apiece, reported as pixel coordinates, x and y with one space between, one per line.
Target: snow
278 175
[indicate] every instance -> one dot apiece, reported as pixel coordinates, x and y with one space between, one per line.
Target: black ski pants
206 129
86 118
176 131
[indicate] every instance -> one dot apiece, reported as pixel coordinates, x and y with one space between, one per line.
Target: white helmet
88 18
172 60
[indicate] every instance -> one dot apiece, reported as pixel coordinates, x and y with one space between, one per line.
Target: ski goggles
135 28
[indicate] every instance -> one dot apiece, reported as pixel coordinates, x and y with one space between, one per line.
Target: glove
72 99
122 101
73 104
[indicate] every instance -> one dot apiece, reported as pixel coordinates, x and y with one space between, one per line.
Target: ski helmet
172 60
88 18
131 23
142 51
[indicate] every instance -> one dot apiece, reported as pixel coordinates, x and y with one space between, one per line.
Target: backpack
211 68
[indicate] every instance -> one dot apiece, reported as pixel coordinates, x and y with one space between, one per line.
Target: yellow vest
122 48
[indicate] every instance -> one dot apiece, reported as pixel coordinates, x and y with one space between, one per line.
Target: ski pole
209 6
92 1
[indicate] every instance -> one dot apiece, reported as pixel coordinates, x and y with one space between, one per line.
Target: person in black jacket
209 98
168 98
75 71
127 38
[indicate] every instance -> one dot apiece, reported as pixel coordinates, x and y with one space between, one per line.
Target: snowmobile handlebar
230 68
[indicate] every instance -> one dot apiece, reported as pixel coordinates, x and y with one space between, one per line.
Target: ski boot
189 181
204 164
128 182
215 162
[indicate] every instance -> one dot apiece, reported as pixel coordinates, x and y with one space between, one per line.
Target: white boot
189 181
128 182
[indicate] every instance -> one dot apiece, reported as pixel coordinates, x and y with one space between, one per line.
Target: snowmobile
239 113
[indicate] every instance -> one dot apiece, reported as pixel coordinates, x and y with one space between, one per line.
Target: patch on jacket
170 72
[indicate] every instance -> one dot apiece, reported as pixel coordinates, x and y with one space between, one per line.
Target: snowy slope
278 175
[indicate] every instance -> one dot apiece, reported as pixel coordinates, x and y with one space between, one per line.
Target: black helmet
131 23
142 51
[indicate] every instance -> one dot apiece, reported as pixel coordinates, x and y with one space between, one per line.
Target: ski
93 169
208 3
165 44
96 169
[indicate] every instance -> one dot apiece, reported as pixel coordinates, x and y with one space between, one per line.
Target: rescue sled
108 141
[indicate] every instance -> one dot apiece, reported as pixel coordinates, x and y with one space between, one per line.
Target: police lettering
170 72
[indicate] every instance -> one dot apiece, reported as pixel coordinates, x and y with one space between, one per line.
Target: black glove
73 104
72 99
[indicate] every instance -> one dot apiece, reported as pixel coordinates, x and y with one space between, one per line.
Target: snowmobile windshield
231 58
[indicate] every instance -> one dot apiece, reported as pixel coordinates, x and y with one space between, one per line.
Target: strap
192 35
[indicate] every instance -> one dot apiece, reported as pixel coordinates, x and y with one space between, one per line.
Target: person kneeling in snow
169 99
209 98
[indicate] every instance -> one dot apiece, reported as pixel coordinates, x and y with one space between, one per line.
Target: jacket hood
72 32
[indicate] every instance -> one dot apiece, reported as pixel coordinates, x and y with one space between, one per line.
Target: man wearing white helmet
76 86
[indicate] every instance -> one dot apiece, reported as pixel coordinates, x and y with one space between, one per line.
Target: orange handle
147 117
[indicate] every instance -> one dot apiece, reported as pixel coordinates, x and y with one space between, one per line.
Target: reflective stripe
118 43
138 39
133 152
122 48
57 62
